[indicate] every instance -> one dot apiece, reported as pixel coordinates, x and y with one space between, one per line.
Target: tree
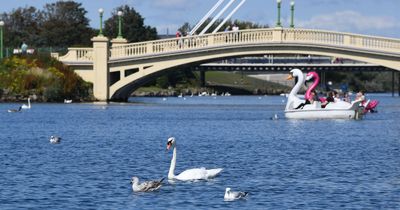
133 28
22 25
241 24
64 25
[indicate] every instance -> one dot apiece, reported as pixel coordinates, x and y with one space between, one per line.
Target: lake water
283 164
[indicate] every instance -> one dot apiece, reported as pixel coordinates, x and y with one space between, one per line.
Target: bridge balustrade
262 36
78 55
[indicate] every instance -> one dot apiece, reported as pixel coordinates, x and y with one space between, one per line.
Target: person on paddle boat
346 97
336 96
360 96
329 99
314 97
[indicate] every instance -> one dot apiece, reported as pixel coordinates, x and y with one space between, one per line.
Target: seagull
231 195
55 139
147 186
15 110
275 117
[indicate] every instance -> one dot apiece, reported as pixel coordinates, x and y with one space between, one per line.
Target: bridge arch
135 63
124 87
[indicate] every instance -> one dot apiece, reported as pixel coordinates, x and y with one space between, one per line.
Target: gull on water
15 110
146 186
55 139
232 195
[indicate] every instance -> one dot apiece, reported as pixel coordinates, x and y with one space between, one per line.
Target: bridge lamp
119 24
292 14
278 23
101 11
1 39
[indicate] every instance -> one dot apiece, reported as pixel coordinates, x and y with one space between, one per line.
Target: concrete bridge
118 69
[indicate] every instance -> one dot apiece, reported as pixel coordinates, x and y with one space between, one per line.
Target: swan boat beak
290 76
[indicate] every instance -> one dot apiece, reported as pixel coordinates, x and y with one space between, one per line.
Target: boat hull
323 114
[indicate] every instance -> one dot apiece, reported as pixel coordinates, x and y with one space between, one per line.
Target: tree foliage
61 24
42 76
133 28
64 24
22 24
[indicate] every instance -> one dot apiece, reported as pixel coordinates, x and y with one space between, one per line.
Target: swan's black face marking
170 142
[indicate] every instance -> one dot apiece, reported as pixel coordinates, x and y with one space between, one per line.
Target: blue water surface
283 164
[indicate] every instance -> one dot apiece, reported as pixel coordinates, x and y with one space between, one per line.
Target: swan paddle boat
333 110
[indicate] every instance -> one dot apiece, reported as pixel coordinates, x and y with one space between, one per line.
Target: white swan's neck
171 173
29 102
296 88
293 93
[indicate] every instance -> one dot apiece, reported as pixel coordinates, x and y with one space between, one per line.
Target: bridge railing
234 38
78 55
191 42
275 35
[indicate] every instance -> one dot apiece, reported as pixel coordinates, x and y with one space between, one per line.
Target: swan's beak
168 146
290 76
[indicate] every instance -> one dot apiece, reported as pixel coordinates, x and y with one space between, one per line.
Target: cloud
349 21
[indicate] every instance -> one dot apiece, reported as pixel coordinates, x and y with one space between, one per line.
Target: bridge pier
392 83
202 78
101 82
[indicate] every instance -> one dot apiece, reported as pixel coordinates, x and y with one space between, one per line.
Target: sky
369 17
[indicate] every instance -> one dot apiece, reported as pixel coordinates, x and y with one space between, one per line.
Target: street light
1 39
119 24
292 16
101 11
278 23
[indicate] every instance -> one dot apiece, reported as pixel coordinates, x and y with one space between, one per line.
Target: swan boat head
293 99
311 76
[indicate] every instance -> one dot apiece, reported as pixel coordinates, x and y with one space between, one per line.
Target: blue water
284 164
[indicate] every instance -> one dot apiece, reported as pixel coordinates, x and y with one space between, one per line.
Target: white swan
190 174
147 186
24 106
231 195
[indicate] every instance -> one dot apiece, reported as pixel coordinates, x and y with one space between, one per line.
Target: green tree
22 25
64 25
241 24
133 28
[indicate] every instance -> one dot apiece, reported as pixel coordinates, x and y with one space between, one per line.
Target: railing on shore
232 38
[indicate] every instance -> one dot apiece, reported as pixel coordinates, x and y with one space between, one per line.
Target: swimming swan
190 174
24 106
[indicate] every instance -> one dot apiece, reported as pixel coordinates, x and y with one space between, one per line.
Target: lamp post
292 14
119 24
278 23
101 11
1 39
